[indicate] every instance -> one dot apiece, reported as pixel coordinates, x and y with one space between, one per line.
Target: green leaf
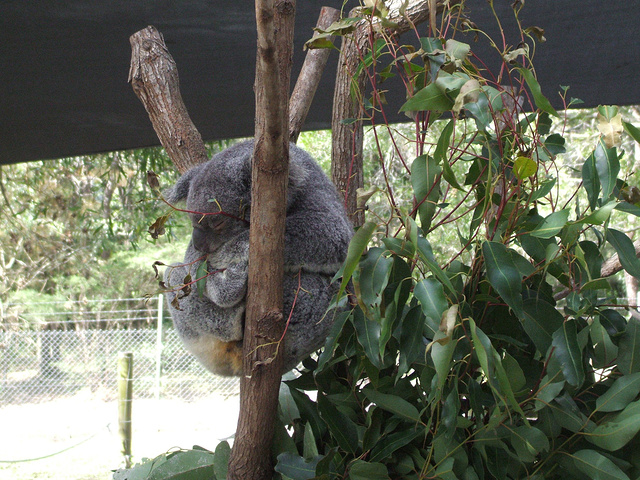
596 466
201 278
601 215
430 98
410 339
632 130
390 443
441 354
451 83
604 350
608 166
555 144
514 373
613 322
392 403
628 208
221 459
183 465
590 180
361 470
368 333
456 49
373 276
623 391
528 442
541 101
568 415
504 275
430 294
489 101
618 431
444 470
441 157
295 467
540 320
524 167
629 348
310 449
357 246
551 225
309 412
626 251
426 254
340 426
491 365
547 392
333 337
425 179
567 350
544 189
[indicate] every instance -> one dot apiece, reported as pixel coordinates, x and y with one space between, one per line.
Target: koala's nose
200 242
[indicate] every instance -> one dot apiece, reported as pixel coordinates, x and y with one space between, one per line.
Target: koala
317 235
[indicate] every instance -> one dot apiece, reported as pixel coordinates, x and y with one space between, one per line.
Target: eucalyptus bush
503 358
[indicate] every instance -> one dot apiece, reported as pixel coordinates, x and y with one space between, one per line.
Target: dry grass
32 431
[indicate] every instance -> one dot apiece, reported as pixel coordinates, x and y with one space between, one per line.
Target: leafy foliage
503 359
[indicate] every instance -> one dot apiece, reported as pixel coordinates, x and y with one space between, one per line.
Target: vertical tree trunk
264 326
347 137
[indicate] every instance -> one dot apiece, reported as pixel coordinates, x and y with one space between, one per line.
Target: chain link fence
56 349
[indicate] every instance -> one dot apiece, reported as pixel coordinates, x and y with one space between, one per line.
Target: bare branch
154 78
309 77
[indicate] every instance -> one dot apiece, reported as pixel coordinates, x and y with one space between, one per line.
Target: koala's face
212 231
219 200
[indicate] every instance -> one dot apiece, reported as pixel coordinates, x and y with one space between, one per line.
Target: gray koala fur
317 236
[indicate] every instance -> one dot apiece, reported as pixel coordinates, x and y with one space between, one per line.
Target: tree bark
347 137
264 326
309 77
154 78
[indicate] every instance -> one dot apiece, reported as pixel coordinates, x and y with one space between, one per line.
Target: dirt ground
79 435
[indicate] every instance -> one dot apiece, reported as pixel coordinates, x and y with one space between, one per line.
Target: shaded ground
88 428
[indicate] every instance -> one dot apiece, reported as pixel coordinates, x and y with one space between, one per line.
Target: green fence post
125 399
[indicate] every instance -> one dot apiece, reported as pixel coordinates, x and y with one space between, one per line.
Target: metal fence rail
44 363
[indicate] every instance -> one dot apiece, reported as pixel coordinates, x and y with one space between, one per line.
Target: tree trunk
154 79
264 326
347 137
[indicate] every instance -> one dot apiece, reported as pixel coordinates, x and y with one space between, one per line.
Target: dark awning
63 79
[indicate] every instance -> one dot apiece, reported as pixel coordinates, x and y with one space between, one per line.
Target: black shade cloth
63 76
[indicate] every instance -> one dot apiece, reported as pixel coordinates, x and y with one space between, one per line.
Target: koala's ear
180 190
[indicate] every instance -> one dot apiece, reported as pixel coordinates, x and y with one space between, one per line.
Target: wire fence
56 349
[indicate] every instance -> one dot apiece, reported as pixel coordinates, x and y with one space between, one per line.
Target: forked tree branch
154 77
